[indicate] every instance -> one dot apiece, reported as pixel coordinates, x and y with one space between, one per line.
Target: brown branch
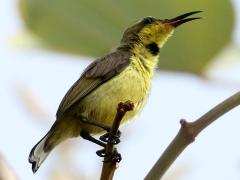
187 134
109 165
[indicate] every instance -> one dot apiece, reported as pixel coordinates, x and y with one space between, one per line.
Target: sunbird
122 75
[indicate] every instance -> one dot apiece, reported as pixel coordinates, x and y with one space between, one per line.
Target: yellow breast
132 84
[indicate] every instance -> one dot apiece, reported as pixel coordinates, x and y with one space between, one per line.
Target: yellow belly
101 104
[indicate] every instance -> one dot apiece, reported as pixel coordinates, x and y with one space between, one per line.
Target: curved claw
104 137
101 153
114 139
116 157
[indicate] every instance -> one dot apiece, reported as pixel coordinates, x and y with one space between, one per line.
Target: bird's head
152 33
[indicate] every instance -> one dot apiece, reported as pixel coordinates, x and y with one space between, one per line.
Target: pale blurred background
39 61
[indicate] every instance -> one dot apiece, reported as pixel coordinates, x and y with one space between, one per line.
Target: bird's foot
114 139
101 153
114 157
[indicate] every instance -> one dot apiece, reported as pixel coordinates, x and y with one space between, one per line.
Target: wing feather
94 76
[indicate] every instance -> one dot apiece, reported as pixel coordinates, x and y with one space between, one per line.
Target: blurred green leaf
95 27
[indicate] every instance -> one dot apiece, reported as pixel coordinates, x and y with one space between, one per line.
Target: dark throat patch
153 48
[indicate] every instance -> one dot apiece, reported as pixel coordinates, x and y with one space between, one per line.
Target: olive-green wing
94 76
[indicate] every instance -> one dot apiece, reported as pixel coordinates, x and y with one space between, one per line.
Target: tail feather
39 153
60 131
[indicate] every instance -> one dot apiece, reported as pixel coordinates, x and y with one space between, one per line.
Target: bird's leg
85 120
105 138
115 157
87 136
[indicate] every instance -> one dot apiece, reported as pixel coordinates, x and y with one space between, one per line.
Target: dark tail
39 153
60 131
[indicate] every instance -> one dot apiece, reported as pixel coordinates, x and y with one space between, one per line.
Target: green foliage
94 27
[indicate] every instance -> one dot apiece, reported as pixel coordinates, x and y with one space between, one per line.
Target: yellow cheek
156 33
164 37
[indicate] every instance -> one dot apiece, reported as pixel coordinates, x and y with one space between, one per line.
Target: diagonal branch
187 134
109 164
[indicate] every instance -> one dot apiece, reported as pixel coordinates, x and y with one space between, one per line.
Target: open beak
177 21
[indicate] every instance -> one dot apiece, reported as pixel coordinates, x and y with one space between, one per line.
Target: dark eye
148 20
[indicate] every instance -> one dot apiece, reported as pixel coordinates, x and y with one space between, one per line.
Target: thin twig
109 166
187 134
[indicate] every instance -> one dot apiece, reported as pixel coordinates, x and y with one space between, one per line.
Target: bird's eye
148 20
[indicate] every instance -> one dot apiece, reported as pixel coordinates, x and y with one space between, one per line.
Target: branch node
126 106
188 131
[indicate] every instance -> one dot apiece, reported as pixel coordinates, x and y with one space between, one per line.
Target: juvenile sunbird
123 74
